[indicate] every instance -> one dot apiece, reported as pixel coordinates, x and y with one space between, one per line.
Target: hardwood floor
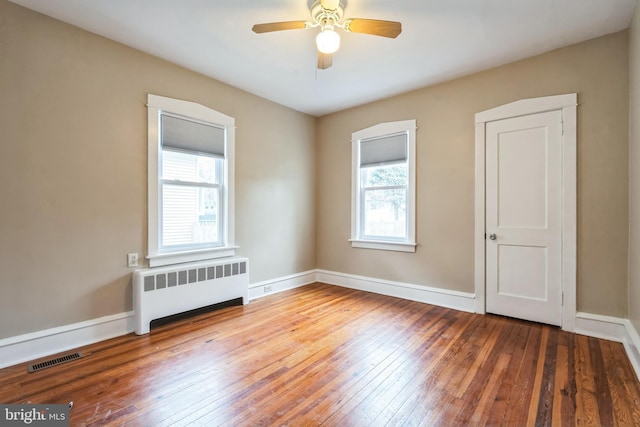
325 355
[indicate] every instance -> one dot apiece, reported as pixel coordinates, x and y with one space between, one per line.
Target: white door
524 217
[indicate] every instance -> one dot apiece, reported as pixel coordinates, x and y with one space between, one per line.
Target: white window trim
379 130
155 106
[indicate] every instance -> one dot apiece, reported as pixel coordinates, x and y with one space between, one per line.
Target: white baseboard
612 329
272 286
462 301
632 345
27 347
34 345
599 326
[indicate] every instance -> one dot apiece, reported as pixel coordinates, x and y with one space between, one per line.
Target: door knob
492 236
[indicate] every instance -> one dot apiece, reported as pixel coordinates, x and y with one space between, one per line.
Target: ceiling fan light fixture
328 41
326 15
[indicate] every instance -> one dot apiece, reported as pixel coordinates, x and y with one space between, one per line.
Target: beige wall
634 170
73 171
597 70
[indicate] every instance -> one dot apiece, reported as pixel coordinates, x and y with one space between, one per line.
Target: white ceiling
440 40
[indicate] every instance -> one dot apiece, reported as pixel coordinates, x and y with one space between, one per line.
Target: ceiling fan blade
374 27
325 60
330 4
279 26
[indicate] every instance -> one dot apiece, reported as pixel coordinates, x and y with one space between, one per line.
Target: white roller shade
192 136
384 150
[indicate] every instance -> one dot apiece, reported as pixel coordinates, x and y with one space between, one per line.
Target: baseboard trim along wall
612 329
462 301
35 345
632 346
272 286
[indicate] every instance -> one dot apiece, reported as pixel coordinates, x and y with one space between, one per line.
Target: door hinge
562 127
561 298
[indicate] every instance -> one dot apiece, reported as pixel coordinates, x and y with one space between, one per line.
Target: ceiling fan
327 14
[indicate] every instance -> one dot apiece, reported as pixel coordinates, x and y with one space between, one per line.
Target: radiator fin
161 281
172 279
183 277
149 283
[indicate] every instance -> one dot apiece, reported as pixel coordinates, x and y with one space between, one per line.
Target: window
383 187
190 182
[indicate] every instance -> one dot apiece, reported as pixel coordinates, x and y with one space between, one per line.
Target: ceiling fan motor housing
320 15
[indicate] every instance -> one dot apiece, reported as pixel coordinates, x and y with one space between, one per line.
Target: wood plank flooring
325 355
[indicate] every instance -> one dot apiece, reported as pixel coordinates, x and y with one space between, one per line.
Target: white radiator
163 291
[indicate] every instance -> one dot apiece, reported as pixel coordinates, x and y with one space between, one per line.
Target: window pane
189 167
190 215
384 176
385 213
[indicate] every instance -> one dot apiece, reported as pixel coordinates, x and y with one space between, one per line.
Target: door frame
568 104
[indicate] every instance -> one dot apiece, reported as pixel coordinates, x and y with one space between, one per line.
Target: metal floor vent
53 362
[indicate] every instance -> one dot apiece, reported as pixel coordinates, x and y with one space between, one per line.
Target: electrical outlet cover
132 260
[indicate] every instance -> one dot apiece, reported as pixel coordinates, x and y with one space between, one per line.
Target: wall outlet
267 289
132 259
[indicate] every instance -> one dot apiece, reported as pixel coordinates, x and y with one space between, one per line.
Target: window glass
189 215
191 186
190 167
385 201
383 188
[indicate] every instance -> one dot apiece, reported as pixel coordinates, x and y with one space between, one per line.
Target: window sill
158 260
383 245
